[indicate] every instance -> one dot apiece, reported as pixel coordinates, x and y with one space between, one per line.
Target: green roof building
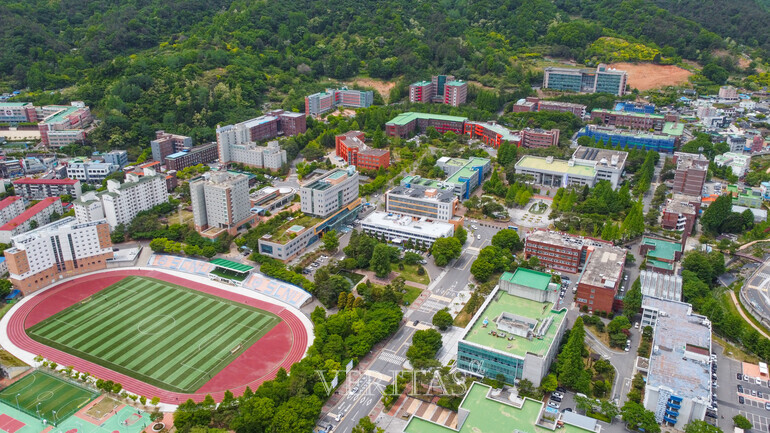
514 335
661 254
485 410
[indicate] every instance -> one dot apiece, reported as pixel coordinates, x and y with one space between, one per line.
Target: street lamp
17 401
54 417
37 409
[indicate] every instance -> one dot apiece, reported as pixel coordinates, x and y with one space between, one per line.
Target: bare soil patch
646 76
382 87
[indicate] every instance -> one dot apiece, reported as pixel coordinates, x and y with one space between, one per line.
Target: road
756 291
390 358
753 407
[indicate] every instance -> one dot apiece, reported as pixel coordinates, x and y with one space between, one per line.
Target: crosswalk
391 358
430 306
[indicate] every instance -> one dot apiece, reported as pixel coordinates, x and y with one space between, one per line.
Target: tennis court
44 396
160 333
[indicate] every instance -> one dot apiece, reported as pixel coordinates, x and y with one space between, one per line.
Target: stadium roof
233 266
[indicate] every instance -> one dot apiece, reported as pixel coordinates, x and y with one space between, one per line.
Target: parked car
557 399
767 405
557 394
742 400
739 376
740 389
636 325
553 404
753 393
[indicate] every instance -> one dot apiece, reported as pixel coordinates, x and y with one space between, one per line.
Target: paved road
756 290
450 280
727 395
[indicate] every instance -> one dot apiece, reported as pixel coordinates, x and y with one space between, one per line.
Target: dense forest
186 66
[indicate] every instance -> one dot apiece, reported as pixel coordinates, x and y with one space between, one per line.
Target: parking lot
755 395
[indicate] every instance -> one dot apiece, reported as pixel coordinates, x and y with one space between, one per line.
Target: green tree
446 249
638 418
331 241
715 73
632 302
365 425
570 368
549 383
633 224
255 415
425 344
442 319
380 262
158 245
716 214
461 234
5 288
698 426
33 224
742 422
508 239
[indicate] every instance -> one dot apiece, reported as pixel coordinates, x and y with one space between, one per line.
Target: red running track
282 346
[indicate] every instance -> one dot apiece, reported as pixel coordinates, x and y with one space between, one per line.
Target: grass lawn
734 351
411 294
11 361
4 309
160 333
410 274
462 319
729 304
52 394
352 276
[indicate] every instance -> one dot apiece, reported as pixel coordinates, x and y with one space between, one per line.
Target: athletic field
160 333
42 393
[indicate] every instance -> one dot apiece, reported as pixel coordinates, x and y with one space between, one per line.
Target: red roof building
351 148
38 189
10 208
40 213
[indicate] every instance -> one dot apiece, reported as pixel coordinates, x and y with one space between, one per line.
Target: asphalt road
450 280
756 290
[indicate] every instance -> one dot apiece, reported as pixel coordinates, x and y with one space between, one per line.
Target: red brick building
539 138
350 147
491 133
690 175
680 213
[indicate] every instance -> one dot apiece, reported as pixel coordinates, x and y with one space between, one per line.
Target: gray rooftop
602 157
680 338
563 239
418 191
682 204
604 266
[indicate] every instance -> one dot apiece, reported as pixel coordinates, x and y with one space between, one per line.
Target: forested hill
187 65
746 21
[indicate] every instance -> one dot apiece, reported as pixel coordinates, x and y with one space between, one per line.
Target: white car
478 237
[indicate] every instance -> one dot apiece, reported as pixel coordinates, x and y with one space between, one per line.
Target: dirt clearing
646 76
382 87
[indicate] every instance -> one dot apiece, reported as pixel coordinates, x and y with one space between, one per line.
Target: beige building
57 250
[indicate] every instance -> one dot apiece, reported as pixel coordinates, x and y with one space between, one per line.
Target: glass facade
488 363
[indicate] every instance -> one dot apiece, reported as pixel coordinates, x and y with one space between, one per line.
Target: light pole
54 417
37 409
17 401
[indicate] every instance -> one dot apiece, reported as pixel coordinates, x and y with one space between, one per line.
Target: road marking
391 358
440 298
379 376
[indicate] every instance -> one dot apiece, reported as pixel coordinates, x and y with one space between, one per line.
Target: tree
442 319
154 401
411 258
33 224
633 225
508 239
5 288
158 245
446 249
425 344
632 302
698 426
331 241
716 214
365 425
461 234
570 368
143 400
715 73
549 383
380 262
637 418
742 422
255 415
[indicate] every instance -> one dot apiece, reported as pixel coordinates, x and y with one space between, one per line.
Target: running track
282 346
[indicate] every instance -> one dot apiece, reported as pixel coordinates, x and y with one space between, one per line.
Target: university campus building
587 166
603 79
351 148
322 102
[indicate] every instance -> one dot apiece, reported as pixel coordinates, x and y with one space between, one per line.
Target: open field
160 333
646 76
380 86
45 394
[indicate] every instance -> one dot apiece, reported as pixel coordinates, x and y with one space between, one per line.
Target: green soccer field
160 333
41 393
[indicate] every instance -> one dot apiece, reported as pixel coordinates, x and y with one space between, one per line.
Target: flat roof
455 83
419 192
528 278
628 113
611 130
556 166
677 332
59 116
231 265
487 415
14 104
283 234
681 204
604 267
519 346
409 116
407 224
663 249
176 155
602 157
506 133
564 239
467 170
421 83
673 128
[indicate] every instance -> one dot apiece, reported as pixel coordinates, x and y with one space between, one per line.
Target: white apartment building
121 202
236 144
220 202
330 193
36 216
57 250
399 229
10 208
419 201
90 172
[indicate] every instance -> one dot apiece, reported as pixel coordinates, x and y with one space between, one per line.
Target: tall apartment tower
439 86
421 92
222 201
690 173
57 250
455 93
330 193
237 143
